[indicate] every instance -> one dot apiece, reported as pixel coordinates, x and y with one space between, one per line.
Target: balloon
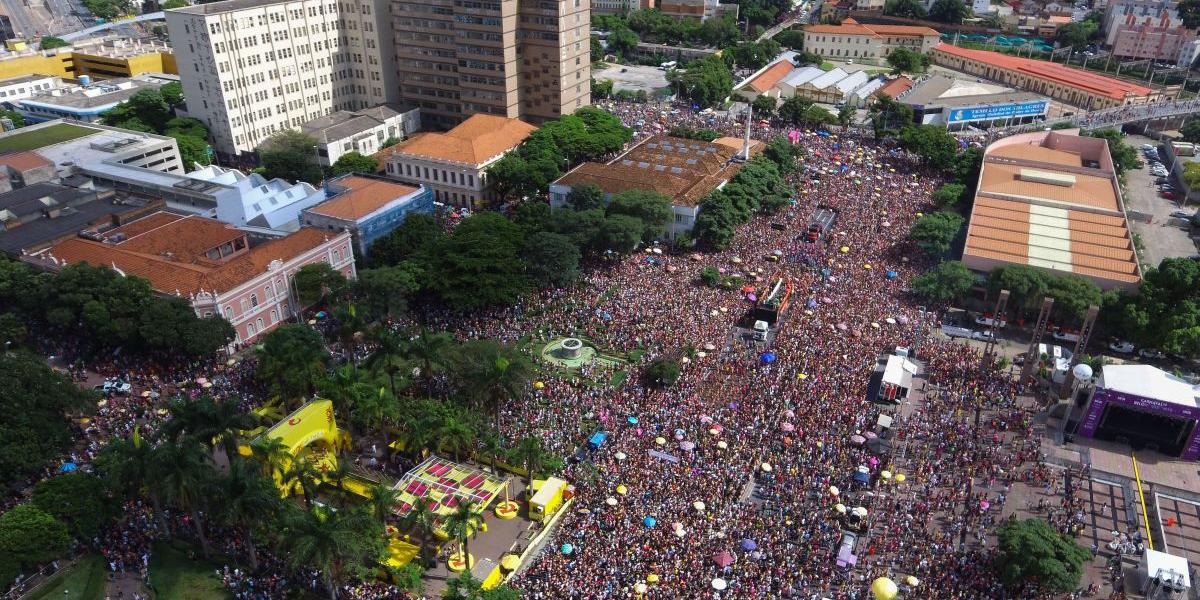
884 589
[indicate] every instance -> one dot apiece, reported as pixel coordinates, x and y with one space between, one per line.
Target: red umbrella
723 558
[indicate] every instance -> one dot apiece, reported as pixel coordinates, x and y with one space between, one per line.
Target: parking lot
634 78
1165 236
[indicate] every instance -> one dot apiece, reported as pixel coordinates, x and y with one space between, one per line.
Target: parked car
1181 214
1167 195
1064 335
1121 346
984 335
114 386
987 321
1162 180
1150 353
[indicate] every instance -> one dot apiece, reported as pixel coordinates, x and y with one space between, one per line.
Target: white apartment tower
253 68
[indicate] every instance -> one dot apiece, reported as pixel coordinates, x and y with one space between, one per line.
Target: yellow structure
399 553
547 499
312 432
96 61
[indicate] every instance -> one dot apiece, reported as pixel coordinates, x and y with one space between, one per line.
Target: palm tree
128 465
271 453
184 472
213 424
454 436
429 349
337 475
348 325
529 453
377 411
382 502
292 359
342 386
493 373
461 525
329 541
247 499
388 357
302 473
420 520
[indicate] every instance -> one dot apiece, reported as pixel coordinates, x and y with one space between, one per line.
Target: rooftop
101 93
214 8
680 169
77 210
25 79
343 123
33 138
940 90
1117 89
895 87
361 197
852 27
1149 382
24 161
1045 200
171 252
475 141
771 75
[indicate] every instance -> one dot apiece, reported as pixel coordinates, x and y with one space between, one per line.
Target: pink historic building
218 268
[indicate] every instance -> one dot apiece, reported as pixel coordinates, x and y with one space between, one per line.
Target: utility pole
989 347
1085 333
1039 330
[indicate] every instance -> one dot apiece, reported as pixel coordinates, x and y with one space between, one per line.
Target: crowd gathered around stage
741 478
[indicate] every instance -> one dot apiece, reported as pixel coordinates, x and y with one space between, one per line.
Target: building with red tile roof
1076 87
1051 200
895 87
368 206
866 42
216 267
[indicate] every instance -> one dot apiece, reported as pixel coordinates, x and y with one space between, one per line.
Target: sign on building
998 111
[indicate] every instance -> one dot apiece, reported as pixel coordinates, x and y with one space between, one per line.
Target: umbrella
788 427
747 289
859 511
841 508
722 445
622 490
719 584
870 436
767 468
660 440
890 321
680 532
567 548
872 461
649 521
752 297
857 439
863 469
802 376
723 558
687 446
698 505
701 354
749 544
891 274
632 420
912 581
984 505
833 491
789 414
812 303
903 320
206 384
885 474
146 394
842 327
735 260
610 501
705 419
68 467
900 478
710 347
874 325
652 578
640 588
201 380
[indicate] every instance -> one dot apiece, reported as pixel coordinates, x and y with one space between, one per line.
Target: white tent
1164 571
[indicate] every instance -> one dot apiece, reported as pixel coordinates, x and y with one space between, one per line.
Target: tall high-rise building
527 59
253 68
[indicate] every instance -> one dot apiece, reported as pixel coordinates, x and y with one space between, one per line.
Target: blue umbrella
861 477
567 548
632 420
649 521
892 274
68 467
749 544
321 315
768 358
812 303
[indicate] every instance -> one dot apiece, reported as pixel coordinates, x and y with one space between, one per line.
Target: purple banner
1091 421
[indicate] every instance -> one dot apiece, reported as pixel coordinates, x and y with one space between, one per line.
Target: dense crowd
732 478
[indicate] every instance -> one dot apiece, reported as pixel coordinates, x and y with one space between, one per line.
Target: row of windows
438 175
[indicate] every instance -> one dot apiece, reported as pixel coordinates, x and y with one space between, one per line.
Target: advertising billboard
997 111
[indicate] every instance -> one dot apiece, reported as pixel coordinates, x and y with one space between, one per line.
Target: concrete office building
87 100
1149 29
527 59
363 131
253 68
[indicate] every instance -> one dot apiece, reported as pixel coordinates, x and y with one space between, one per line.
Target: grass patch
618 378
636 354
84 581
826 66
43 137
175 576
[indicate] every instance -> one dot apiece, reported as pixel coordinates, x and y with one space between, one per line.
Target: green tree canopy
947 282
651 208
663 371
793 109
50 42
552 259
889 116
415 236
30 537
319 282
1073 295
904 8
1026 285
704 82
353 162
1124 156
1191 131
934 232
1031 554
948 195
293 357
932 143
754 55
292 156
904 60
621 233
764 106
949 11
479 264
33 403
586 197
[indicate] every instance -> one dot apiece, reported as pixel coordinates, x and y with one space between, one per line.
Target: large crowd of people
735 480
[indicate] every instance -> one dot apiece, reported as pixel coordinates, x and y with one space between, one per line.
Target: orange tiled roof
364 196
1117 89
24 161
852 27
180 273
474 141
895 87
771 76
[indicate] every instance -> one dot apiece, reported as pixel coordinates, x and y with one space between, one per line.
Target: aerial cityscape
575 299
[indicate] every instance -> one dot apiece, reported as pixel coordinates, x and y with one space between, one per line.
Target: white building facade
253 68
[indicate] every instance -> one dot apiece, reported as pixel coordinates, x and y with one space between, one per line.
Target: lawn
84 581
42 137
174 576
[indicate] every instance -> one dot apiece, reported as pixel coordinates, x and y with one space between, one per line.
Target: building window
253 300
229 313
337 256
260 324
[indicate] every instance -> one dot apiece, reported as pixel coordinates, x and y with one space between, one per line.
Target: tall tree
338 544
33 407
248 501
651 208
184 472
292 359
462 525
551 259
947 282
1032 556
934 232
319 282
492 373
479 265
292 156
353 162
211 423
948 11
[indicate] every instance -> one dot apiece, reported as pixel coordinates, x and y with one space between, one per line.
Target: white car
984 335
115 386
988 322
1122 347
